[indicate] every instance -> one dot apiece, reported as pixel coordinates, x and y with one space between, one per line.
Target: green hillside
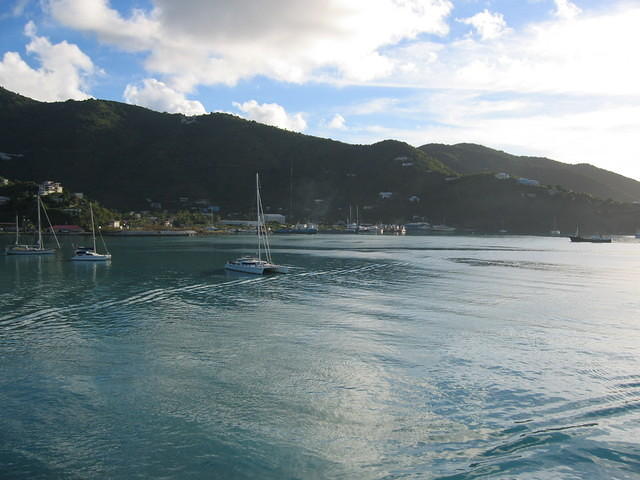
130 158
123 155
467 158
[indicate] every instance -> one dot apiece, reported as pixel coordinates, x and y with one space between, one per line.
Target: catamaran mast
93 228
259 228
17 231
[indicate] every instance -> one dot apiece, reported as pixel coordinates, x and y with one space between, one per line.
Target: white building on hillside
49 186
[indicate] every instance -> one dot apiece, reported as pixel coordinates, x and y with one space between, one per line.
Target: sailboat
262 263
36 249
593 239
88 254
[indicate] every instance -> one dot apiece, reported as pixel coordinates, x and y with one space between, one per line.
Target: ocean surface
377 357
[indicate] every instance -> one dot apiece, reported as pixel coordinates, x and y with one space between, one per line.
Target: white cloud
588 55
573 129
489 25
375 105
566 9
337 122
63 72
157 96
137 33
272 114
204 42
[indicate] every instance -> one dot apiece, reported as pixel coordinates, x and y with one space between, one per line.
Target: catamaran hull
245 269
257 270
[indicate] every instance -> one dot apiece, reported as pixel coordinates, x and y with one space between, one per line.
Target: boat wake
156 295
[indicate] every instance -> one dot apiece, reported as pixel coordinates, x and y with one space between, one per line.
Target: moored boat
592 239
37 248
90 254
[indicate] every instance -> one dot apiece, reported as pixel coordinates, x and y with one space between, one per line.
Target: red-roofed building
66 229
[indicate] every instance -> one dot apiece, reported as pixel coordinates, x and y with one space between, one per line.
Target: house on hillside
404 160
385 195
4 200
502 176
49 186
414 199
529 182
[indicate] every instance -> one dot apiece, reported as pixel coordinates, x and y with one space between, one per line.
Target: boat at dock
300 228
417 227
153 233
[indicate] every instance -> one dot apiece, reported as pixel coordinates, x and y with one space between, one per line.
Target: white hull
91 258
257 268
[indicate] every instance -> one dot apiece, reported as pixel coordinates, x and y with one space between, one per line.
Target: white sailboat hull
91 258
29 250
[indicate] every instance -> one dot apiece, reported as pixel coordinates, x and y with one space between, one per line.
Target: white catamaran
37 248
88 254
262 263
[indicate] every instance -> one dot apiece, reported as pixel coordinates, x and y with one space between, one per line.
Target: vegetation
175 167
62 208
467 158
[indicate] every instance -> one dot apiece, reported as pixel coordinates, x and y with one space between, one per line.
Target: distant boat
417 227
88 254
442 228
258 265
592 239
307 228
35 249
555 232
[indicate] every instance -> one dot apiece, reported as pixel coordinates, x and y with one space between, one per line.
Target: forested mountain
132 158
123 155
468 158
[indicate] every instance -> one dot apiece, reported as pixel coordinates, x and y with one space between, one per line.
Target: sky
552 78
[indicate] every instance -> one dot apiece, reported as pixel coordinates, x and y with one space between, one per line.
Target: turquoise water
376 358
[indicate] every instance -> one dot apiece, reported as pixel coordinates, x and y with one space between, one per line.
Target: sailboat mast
17 231
40 246
258 217
93 227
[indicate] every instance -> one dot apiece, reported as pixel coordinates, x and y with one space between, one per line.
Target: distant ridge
131 158
469 158
123 155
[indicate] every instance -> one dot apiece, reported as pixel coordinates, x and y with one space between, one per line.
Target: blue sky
554 78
